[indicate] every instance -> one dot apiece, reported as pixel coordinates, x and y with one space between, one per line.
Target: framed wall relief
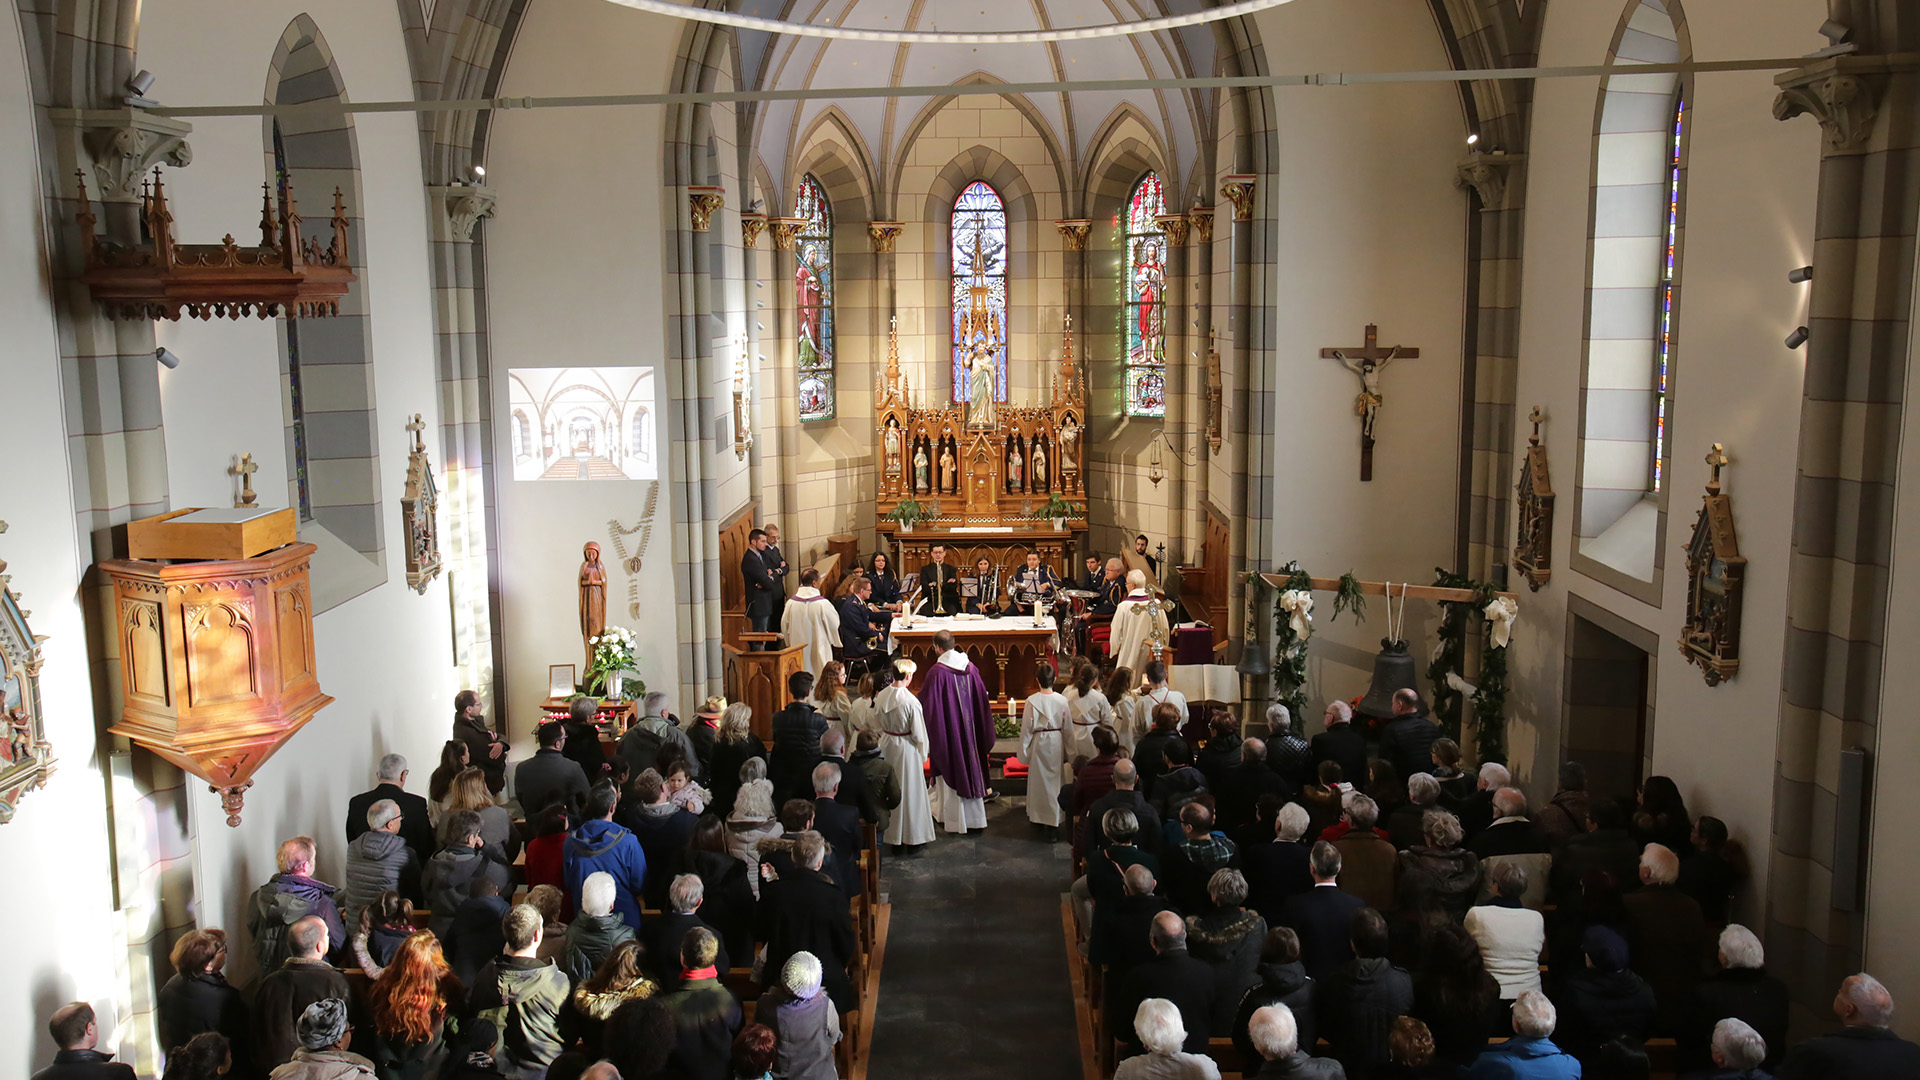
1716 582
1533 537
418 504
26 758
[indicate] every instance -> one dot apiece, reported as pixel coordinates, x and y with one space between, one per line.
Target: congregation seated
1531 1053
1740 989
1283 981
1280 868
449 877
1172 974
1668 937
600 845
76 1032
1164 1038
300 980
802 909
664 931
1191 864
390 782
804 1024
550 777
288 896
198 998
1227 937
1360 999
1454 871
523 994
706 1016
1322 915
1604 999
1864 1046
1276 1037
1368 860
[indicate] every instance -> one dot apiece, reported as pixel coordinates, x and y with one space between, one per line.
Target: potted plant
1057 509
612 655
907 512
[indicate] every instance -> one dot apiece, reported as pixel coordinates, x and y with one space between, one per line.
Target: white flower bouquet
612 654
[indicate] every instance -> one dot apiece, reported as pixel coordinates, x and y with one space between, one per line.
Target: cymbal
1078 594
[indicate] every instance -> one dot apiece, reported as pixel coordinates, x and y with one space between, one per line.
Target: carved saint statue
593 598
947 473
920 482
981 386
1014 463
1039 479
1069 440
893 447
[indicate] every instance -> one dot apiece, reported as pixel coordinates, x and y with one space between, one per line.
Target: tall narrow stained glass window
297 411
1663 343
979 247
1145 310
813 299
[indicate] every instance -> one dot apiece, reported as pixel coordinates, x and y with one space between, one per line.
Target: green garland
1490 703
1490 699
1289 650
1451 657
1349 598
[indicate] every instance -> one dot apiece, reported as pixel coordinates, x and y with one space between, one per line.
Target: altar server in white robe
1136 621
1087 709
1130 719
1156 693
903 743
1043 747
810 619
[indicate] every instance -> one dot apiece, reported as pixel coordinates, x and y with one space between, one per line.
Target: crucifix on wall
1367 362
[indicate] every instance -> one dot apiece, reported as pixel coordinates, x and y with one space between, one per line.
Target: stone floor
975 981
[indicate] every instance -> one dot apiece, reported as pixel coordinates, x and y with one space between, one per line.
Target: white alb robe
1043 748
810 619
1154 697
1135 621
957 814
1129 719
1086 713
861 716
903 743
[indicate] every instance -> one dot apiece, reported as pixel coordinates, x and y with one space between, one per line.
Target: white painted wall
575 280
1749 219
1372 229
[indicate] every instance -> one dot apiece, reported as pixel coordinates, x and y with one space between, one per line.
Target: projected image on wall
581 423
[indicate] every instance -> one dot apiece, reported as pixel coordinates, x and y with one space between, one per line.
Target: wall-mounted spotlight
1474 139
166 357
1801 276
480 172
137 88
1835 31
1797 338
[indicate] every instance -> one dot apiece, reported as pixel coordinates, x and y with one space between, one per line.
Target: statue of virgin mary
981 386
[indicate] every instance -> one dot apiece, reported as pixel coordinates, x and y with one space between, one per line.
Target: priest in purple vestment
959 716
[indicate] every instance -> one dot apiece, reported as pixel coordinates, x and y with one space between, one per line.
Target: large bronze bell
1392 670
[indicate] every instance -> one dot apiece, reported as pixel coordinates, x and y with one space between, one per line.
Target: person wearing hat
640 746
704 733
323 1055
1604 999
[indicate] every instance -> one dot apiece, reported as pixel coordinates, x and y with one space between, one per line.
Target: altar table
1007 649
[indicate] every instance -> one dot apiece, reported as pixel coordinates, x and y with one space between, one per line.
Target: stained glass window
813 300
296 405
1663 345
979 239
1145 310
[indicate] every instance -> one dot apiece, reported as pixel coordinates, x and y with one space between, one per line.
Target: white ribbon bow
1299 606
1501 611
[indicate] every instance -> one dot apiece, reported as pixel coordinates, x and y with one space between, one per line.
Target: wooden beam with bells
1401 590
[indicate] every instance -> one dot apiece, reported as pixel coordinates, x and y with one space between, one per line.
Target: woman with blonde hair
752 820
409 1002
734 744
1130 710
469 792
1088 708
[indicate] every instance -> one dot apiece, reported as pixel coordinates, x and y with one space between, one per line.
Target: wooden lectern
760 680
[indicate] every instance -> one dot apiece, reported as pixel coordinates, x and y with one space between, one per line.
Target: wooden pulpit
760 680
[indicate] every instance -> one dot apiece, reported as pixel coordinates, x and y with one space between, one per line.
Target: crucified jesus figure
1367 403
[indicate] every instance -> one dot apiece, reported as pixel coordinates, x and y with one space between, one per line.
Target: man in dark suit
1321 916
1241 787
860 624
1862 1047
1125 793
839 825
1094 576
1123 928
940 583
760 584
804 910
665 931
1407 740
1171 974
776 564
549 776
1342 745
853 791
415 829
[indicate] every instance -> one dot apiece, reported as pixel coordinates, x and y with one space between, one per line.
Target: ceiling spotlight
1473 139
1803 274
140 83
1797 338
166 357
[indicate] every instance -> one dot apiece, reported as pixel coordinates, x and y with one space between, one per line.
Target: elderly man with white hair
1279 870
1158 1026
1741 990
1287 752
1736 1051
1340 743
805 1024
1863 1047
378 860
1138 621
1513 838
597 930
289 896
390 782
1667 937
1530 1054
1275 1033
1404 824
664 932
1476 811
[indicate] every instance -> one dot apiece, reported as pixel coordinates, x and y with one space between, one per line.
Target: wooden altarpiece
984 484
1533 535
26 757
1716 584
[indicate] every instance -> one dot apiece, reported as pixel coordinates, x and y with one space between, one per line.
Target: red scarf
708 972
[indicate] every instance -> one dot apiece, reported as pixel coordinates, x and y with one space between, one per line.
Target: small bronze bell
1392 670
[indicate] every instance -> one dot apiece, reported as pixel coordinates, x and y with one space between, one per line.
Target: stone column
1200 285
780 410
1179 349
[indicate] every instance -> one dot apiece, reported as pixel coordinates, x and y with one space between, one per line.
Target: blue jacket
601 845
1524 1059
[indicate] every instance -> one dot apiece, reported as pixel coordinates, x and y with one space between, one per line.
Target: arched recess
326 364
1631 340
834 154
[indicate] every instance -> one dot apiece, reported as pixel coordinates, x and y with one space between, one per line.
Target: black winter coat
1852 1053
805 910
1179 978
1229 941
1407 744
196 1003
1597 1005
796 748
1748 994
1280 984
1358 1006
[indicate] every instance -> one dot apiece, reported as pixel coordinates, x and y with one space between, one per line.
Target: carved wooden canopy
1533 536
1716 584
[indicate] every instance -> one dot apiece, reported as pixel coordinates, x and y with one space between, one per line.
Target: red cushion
1013 769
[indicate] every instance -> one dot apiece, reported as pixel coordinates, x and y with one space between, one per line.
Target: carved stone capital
752 224
1488 175
1202 219
1074 232
1238 190
785 230
463 205
1175 226
703 201
125 143
883 234
1841 92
